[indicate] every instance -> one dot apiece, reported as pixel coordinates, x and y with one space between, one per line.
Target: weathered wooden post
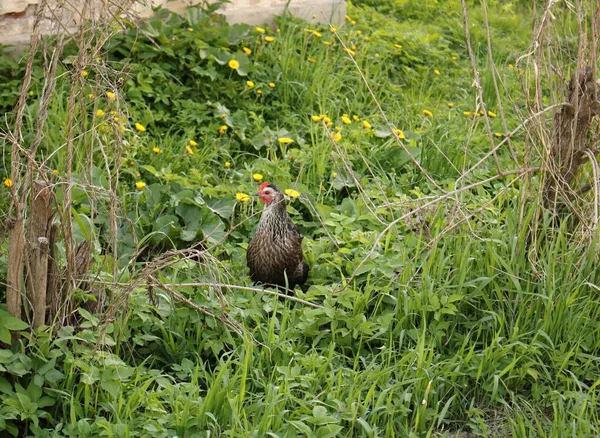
37 249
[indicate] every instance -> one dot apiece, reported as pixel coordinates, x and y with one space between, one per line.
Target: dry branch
570 141
16 244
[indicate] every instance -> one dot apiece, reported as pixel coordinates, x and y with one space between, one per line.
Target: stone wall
17 16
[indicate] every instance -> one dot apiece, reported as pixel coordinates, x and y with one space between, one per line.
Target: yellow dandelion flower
116 119
454 58
327 120
258 91
242 197
359 32
316 119
333 29
499 134
233 64
399 133
190 29
272 84
55 172
397 46
139 127
291 192
99 113
223 129
355 118
259 30
327 43
353 47
32 93
227 164
84 73
427 113
311 60
257 177
337 136
366 124
269 39
491 114
467 114
346 120
156 150
250 84
450 105
91 96
193 143
353 22
8 182
111 95
437 72
334 174
367 38
247 51
189 150
348 17
350 51
285 140
140 185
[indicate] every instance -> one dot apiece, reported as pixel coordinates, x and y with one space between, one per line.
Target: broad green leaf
83 228
329 431
5 386
236 33
166 227
5 336
211 225
222 207
54 376
111 386
11 323
5 355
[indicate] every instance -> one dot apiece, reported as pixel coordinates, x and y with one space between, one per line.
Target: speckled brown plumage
275 251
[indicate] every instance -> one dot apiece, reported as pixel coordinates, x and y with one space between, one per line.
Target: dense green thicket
455 319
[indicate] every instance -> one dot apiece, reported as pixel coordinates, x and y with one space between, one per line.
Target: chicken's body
275 252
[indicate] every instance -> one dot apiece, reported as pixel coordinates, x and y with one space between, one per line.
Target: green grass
476 313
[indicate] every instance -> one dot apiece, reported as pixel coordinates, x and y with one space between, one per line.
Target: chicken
274 254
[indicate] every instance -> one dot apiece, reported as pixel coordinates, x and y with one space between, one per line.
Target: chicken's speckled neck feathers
274 218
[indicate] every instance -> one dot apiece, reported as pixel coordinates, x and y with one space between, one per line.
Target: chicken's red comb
264 185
